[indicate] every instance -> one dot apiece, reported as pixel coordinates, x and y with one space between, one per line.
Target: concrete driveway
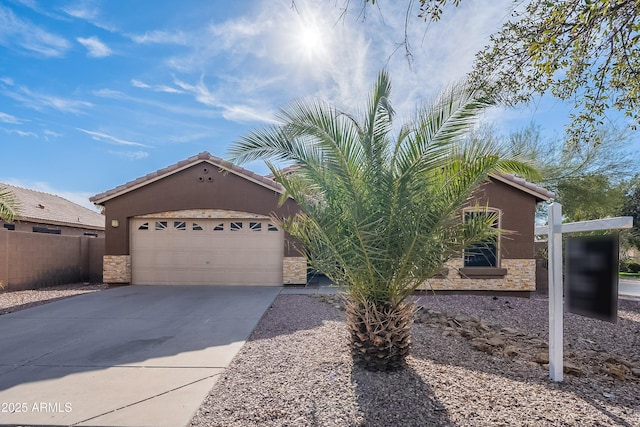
129 356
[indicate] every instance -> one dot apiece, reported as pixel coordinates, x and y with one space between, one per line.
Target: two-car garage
206 251
201 221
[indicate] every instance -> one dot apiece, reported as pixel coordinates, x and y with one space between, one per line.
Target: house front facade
207 221
200 221
508 264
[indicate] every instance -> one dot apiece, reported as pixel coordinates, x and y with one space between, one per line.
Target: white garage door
206 251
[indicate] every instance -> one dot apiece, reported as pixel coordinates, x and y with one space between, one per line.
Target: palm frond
9 205
382 212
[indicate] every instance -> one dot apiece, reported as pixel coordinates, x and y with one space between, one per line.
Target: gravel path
296 370
20 300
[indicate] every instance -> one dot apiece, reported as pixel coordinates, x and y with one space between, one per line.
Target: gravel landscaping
476 361
19 300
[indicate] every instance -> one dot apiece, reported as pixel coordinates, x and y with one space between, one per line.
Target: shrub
624 266
634 267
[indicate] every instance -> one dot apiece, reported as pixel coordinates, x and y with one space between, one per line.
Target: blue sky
97 93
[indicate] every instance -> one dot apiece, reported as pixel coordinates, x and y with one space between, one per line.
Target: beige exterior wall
116 269
521 276
294 270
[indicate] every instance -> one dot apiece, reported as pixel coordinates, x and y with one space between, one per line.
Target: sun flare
309 40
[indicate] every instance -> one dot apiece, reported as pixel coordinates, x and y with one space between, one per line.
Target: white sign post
556 303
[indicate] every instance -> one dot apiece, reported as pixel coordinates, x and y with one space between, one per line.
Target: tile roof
509 179
524 185
45 208
268 181
161 173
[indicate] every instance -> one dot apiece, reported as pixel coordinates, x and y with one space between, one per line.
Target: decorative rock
511 351
481 344
617 371
570 368
448 332
542 357
496 341
468 333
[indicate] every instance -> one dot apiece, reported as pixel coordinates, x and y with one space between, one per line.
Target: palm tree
382 211
8 205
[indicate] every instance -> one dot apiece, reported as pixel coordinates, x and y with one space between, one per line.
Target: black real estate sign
591 276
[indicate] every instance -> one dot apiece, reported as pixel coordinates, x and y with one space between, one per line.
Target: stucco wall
191 189
34 260
517 216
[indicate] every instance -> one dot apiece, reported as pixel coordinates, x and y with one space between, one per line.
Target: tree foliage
8 205
589 181
581 51
631 207
381 214
382 211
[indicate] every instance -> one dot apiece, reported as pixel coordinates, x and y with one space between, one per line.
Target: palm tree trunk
380 333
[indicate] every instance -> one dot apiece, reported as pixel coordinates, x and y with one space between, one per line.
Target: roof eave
59 223
541 194
101 198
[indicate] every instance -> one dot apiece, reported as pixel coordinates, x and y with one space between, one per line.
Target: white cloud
100 136
158 88
16 32
51 134
138 83
95 48
20 132
8 118
130 155
88 11
246 113
39 101
273 53
171 107
23 133
161 37
82 11
240 112
109 93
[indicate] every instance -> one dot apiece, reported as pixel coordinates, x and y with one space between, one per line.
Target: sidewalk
629 289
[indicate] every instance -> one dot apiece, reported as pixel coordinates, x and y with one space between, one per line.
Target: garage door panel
206 251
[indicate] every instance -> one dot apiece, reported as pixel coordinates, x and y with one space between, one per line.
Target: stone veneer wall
204 213
116 269
521 276
294 270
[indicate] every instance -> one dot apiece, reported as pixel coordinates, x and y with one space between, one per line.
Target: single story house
508 264
200 221
41 212
207 221
51 241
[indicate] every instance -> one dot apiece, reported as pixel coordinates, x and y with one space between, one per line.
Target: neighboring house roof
45 208
182 165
